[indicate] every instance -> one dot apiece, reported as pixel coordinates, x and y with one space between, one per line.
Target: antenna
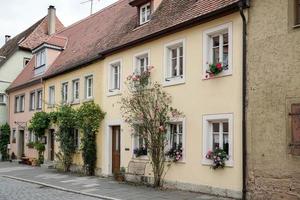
92 2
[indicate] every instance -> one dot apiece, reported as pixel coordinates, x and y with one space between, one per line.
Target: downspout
242 4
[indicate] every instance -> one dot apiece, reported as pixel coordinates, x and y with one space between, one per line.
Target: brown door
115 149
52 144
21 143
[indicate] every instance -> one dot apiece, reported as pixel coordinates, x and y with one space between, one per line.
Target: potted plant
141 151
30 145
218 156
215 69
175 154
120 175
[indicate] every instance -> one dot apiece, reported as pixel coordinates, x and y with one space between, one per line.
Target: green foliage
89 116
65 118
30 145
4 141
40 147
148 108
39 123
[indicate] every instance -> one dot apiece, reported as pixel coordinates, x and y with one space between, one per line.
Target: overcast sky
18 15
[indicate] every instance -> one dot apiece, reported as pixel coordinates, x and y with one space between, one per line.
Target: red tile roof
116 26
37 36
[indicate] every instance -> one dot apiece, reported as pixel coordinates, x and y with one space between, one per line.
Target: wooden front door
116 149
21 143
52 137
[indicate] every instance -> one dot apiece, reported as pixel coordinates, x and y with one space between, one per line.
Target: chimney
51 20
7 37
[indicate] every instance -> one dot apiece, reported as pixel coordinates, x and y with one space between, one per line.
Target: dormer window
145 13
40 62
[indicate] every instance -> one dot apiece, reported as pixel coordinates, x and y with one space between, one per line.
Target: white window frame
41 60
207 136
86 79
51 98
168 147
111 90
168 80
4 101
31 136
207 49
32 101
147 17
74 99
39 100
136 61
135 144
64 92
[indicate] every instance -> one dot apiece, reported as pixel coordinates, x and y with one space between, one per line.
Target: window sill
114 93
207 162
88 99
296 26
173 81
217 76
141 158
2 104
75 102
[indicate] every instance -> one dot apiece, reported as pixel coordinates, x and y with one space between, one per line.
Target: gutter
187 24
243 4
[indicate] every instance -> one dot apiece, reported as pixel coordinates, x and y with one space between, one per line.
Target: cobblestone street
16 190
72 184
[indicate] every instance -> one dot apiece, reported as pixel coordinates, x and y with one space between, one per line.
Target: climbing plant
4 141
39 123
65 118
89 116
148 107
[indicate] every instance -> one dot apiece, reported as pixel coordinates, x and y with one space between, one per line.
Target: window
25 61
64 92
51 95
114 77
40 62
217 133
141 62
2 98
76 138
13 136
75 90
176 138
295 127
140 146
32 101
217 48
297 12
31 137
89 87
39 99
19 103
145 13
174 63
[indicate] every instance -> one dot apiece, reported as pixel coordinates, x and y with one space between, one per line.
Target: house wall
273 84
195 98
8 72
20 121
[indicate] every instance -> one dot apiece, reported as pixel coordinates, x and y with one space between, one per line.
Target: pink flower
219 66
161 128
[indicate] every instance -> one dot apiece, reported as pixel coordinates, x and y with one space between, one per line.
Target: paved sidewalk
104 187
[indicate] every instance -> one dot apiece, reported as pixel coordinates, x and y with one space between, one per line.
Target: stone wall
273 84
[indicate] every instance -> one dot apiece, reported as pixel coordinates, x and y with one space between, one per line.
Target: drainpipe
242 4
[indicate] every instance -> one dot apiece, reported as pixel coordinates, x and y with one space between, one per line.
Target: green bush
4 141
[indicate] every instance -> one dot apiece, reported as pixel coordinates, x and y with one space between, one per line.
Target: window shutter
295 114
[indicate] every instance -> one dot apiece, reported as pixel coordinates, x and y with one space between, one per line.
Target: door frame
108 146
19 148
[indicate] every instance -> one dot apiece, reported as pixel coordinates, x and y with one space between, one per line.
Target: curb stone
61 188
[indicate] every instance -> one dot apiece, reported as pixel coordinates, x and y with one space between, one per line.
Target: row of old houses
251 109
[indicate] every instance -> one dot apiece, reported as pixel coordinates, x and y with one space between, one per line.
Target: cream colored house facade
206 102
